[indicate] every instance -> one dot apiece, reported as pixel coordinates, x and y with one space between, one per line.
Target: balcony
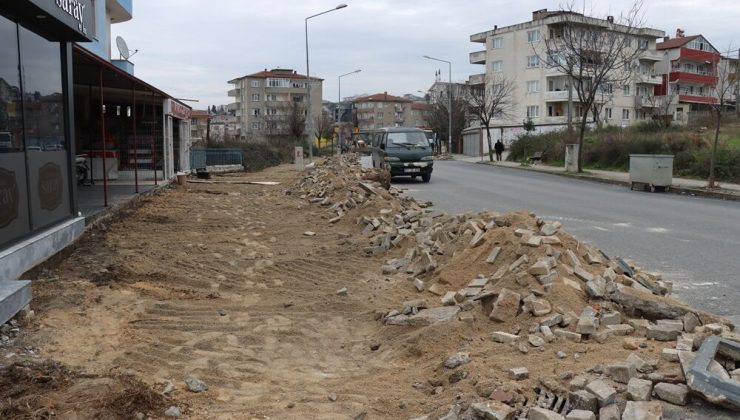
558 96
119 10
234 106
651 56
478 57
477 79
556 120
235 92
697 55
650 79
696 99
686 77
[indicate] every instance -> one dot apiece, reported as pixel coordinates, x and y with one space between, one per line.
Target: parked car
404 151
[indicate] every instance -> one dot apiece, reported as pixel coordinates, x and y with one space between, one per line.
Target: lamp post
449 103
309 113
339 104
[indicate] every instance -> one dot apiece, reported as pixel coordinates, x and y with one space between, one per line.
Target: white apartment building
264 102
541 91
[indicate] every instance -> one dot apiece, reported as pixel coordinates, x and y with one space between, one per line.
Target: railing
202 158
234 92
557 95
477 79
478 57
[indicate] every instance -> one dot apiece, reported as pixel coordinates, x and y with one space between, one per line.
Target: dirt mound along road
241 286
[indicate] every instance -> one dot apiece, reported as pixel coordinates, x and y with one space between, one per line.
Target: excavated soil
219 281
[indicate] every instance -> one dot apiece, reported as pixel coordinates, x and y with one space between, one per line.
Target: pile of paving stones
530 271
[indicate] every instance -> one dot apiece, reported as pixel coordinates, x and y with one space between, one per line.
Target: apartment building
198 126
690 74
542 91
383 110
420 114
266 101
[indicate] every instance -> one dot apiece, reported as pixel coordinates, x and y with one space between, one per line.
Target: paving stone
548 278
540 268
690 322
611 318
587 325
535 341
676 324
492 410
643 410
551 320
506 306
622 372
419 285
580 415
639 389
538 413
547 333
662 332
619 329
573 258
539 307
548 229
449 299
437 289
457 359
194 384
478 282
578 383
583 400
669 355
603 392
503 337
673 393
425 317
568 335
523 232
640 326
173 411
493 255
521 260
572 283
519 373
610 412
639 363
592 258
582 274
561 355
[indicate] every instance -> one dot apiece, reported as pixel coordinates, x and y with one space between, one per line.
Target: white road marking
600 228
657 230
623 224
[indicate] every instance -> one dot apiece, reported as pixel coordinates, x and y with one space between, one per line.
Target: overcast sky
191 48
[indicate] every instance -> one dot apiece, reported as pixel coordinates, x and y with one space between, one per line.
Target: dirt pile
532 286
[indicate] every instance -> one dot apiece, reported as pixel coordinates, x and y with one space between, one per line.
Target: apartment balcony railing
557 120
478 57
651 56
690 77
697 55
234 92
699 99
557 95
477 79
650 78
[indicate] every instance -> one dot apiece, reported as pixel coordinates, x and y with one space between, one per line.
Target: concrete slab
14 296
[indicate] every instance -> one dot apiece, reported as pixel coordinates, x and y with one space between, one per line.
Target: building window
497 43
271 111
626 90
379 105
533 36
256 83
607 113
278 83
255 126
625 114
533 61
628 41
533 111
297 98
271 98
379 115
255 97
256 111
533 86
642 44
497 66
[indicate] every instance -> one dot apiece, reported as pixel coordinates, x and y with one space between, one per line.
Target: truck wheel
426 177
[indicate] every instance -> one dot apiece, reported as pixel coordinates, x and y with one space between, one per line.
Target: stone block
503 337
596 288
551 320
669 355
578 383
437 289
419 285
538 413
582 274
540 268
662 332
572 283
533 241
583 400
425 317
492 410
14 296
639 363
518 373
643 410
639 389
535 341
587 325
604 393
547 333
548 229
690 322
457 359
610 412
673 393
491 259
521 260
611 318
640 326
622 372
676 324
449 299
548 278
539 307
580 415
568 335
619 330
506 306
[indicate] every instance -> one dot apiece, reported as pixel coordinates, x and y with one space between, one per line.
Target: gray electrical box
651 171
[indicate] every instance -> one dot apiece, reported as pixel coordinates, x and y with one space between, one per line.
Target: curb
718 195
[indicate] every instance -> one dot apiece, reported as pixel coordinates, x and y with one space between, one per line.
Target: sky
192 48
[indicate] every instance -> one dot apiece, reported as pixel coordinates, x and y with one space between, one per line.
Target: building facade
383 110
541 91
199 127
266 102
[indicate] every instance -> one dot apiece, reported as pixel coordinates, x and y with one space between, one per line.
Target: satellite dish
123 48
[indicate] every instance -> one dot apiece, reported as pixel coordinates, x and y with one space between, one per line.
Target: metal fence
201 158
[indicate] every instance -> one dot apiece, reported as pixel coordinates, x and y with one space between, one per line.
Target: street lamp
339 104
449 103
309 113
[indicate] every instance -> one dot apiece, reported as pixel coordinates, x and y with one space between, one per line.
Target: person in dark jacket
499 148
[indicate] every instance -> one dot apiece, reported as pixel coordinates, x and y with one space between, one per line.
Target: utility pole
737 84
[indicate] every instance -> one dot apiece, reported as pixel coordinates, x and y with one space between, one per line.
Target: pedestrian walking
499 148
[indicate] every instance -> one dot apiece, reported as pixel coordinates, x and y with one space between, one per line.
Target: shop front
37 191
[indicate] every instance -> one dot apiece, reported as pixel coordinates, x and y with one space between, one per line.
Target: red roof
382 97
277 73
198 113
675 42
420 105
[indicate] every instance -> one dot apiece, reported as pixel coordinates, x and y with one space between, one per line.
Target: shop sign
76 9
8 197
177 109
50 186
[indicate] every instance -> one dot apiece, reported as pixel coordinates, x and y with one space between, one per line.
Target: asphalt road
693 241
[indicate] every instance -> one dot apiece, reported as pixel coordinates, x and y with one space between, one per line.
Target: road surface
693 241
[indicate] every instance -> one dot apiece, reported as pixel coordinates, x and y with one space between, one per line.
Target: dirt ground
219 281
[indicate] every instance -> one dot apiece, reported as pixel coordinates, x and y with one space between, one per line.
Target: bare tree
661 108
438 116
296 122
323 126
722 91
494 99
593 52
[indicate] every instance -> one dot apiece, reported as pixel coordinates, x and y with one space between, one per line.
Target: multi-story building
198 126
541 91
266 101
383 110
689 74
420 114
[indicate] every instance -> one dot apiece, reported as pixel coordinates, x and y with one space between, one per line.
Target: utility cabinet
651 171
